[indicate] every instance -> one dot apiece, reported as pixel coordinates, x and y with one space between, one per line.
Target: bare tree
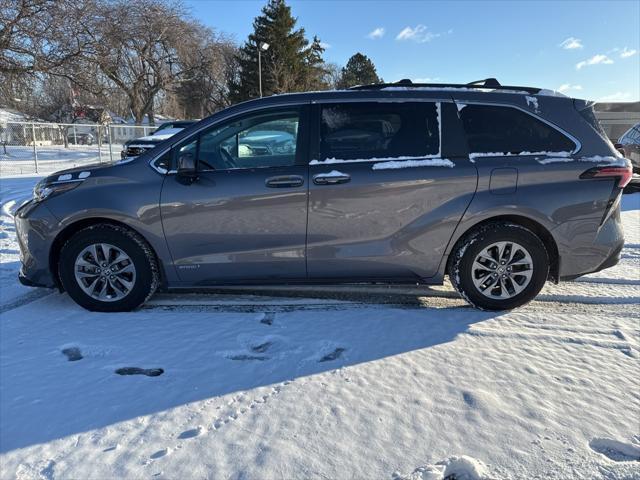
133 57
136 49
39 35
208 64
332 74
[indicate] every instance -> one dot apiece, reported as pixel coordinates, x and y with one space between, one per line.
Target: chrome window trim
575 141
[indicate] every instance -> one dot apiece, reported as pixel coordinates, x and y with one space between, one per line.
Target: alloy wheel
502 270
105 272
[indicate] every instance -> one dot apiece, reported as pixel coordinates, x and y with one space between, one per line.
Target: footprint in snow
616 450
267 318
469 399
73 354
149 372
255 349
333 355
194 432
160 453
261 348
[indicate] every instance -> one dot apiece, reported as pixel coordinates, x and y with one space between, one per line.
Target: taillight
623 174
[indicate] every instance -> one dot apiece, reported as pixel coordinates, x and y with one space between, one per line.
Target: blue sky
588 49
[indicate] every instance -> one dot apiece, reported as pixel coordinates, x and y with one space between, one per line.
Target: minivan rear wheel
108 268
499 266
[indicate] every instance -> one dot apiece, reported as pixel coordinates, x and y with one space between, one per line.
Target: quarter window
367 131
508 130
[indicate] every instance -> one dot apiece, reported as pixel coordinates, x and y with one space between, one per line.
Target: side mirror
187 166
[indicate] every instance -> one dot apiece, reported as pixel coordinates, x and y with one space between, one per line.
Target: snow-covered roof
158 120
11 115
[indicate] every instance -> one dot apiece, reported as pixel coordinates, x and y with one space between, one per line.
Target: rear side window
508 130
367 131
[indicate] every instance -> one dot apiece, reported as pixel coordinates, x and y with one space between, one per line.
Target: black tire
132 244
471 245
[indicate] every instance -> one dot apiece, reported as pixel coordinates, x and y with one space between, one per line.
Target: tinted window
265 140
365 131
508 130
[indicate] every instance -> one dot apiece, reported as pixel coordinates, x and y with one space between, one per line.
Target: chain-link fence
28 148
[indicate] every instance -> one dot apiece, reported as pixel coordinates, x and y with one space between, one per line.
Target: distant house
129 129
15 131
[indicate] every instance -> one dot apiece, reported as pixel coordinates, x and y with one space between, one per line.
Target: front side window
507 130
259 141
369 131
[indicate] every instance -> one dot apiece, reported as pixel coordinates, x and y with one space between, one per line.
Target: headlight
44 190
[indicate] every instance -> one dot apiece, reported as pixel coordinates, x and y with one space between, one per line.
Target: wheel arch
536 227
73 228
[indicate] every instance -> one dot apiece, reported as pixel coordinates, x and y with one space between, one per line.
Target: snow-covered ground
20 160
339 383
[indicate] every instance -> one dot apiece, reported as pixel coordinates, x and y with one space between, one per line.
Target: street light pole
260 71
262 46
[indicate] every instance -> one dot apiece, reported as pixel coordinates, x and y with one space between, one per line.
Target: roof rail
487 83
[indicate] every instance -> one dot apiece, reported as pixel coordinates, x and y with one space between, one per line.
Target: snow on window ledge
474 155
429 162
615 161
329 161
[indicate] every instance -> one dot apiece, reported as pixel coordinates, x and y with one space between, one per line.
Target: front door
244 217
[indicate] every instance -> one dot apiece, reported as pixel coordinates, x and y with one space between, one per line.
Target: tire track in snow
26 299
453 302
529 335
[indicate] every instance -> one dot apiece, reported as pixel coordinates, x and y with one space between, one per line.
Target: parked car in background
499 188
629 145
138 146
80 138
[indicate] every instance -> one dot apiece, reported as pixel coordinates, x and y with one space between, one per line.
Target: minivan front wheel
499 266
108 268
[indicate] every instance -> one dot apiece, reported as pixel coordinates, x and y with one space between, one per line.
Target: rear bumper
582 253
610 261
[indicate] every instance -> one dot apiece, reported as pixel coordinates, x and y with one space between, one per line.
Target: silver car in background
629 145
499 188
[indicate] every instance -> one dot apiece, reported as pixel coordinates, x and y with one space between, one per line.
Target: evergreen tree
289 65
359 70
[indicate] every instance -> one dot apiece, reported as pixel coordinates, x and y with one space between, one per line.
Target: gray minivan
500 188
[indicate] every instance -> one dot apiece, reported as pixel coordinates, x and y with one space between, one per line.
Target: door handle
331 178
284 181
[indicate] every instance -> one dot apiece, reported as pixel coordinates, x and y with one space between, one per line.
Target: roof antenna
405 81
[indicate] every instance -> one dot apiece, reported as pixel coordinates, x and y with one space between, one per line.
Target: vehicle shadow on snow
203 355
